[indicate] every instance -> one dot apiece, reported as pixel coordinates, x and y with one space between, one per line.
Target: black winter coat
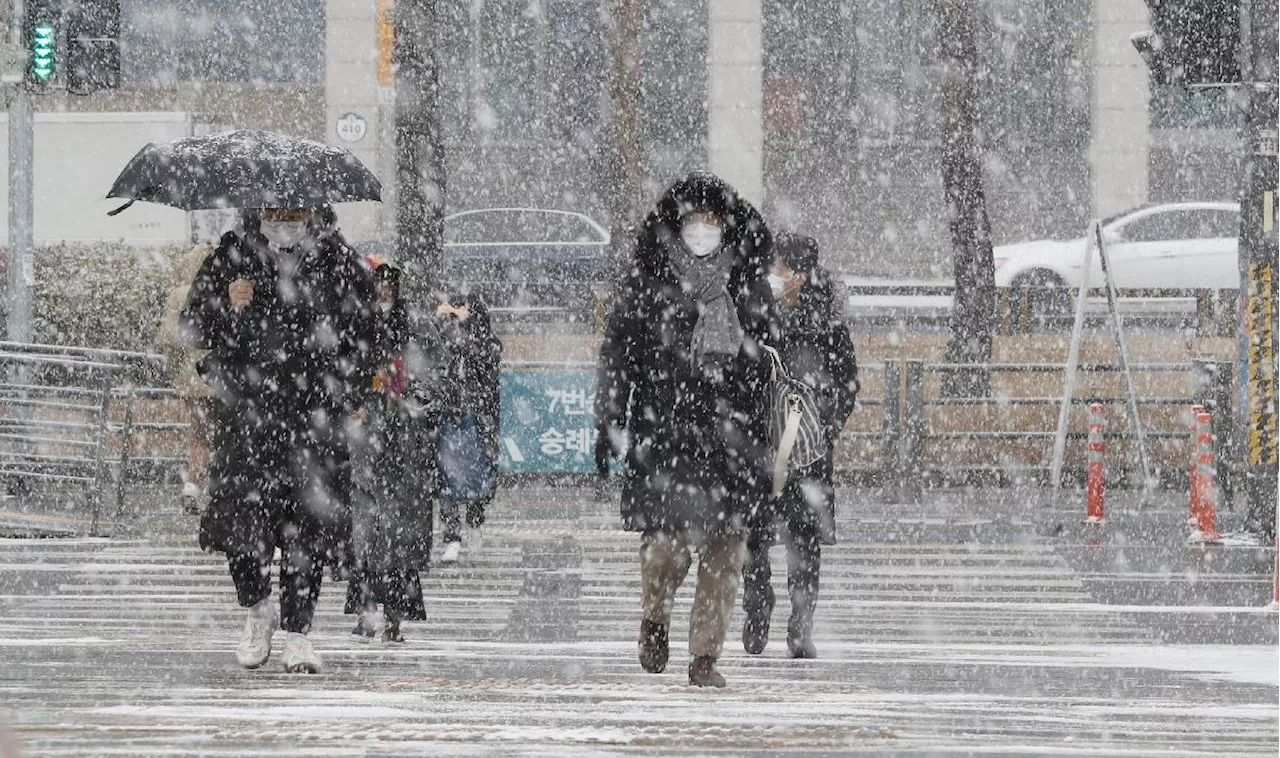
818 350
475 357
699 457
287 370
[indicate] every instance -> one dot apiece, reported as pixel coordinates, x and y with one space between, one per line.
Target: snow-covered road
125 648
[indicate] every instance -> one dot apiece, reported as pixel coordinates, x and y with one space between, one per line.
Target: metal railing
74 421
55 426
930 420
1038 309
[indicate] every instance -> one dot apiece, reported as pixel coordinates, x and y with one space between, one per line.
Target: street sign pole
20 259
1258 245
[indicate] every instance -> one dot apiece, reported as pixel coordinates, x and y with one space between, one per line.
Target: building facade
824 112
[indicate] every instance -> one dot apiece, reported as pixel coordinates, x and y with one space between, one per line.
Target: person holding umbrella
285 310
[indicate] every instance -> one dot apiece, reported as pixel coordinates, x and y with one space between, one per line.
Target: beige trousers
665 560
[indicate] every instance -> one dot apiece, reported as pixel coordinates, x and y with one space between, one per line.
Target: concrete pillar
351 99
1120 135
735 112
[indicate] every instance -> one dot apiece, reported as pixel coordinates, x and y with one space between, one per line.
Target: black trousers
804 562
300 577
451 520
399 592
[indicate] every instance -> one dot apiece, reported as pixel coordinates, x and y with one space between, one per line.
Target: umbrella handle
121 209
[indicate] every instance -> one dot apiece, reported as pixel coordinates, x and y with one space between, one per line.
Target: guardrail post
1211 382
1228 312
913 431
1205 316
892 430
126 451
100 454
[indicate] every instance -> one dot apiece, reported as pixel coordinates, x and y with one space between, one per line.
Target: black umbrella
244 169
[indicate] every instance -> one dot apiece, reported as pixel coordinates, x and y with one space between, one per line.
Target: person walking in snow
816 349
682 385
468 475
397 485
285 309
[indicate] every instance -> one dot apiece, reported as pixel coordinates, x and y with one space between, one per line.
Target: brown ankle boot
702 672
654 646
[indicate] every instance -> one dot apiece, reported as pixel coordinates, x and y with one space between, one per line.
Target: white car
1174 246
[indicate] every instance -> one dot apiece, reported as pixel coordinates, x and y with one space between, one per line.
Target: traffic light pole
20 252
420 168
1258 248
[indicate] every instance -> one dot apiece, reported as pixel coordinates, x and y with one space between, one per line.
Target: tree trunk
973 311
627 160
420 168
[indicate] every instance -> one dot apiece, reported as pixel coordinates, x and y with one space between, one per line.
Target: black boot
654 646
800 638
702 672
391 633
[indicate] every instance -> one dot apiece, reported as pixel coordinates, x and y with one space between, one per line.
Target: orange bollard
1193 515
1204 486
1095 493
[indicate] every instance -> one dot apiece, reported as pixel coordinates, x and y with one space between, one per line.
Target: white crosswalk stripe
119 647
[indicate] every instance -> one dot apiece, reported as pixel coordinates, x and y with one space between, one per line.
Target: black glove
605 452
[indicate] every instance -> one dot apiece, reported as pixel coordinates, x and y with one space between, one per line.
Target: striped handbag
795 423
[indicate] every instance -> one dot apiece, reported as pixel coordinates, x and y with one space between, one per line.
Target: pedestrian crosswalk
124 646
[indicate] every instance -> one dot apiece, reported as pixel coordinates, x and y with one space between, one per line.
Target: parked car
523 258
1174 246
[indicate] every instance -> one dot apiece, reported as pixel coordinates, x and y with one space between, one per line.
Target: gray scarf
718 334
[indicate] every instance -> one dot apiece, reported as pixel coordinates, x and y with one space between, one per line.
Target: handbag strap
786 446
776 365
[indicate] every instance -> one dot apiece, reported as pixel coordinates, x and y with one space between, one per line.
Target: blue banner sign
548 421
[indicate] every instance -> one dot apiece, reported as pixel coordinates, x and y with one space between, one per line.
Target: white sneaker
299 657
451 552
255 641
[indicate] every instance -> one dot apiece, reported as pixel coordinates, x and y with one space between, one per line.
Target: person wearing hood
394 472
285 309
816 350
683 387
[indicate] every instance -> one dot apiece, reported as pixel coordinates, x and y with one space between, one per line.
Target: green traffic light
42 51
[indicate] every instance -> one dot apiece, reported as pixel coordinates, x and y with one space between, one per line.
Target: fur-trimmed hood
745 232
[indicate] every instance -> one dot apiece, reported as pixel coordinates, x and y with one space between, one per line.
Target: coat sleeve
362 340
615 374
486 362
207 320
759 314
843 359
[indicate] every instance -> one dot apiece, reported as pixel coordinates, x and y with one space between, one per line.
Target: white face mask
701 239
778 285
385 306
284 234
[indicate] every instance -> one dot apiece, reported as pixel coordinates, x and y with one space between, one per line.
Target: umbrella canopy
244 169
